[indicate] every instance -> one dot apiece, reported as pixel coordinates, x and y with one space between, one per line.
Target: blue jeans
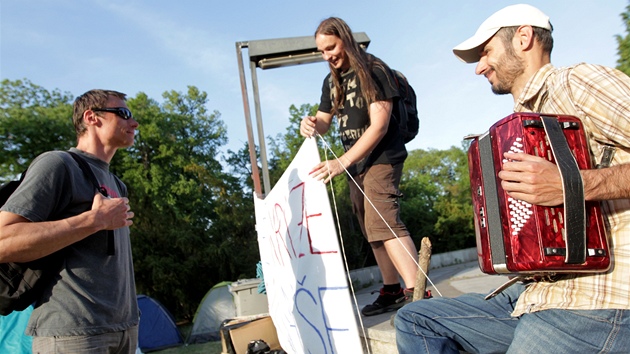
475 325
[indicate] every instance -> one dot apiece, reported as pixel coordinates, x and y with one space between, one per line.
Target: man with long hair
361 92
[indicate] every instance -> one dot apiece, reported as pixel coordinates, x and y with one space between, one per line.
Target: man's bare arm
537 181
22 240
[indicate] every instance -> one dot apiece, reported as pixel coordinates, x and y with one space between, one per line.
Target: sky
155 46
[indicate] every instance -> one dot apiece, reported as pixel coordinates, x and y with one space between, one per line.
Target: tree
239 165
284 147
194 223
437 202
454 207
623 42
193 226
32 120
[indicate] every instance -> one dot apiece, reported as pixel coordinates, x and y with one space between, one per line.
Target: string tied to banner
328 149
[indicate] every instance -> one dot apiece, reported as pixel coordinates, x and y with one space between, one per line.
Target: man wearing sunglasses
91 306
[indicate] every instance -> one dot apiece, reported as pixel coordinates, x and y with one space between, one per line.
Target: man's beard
511 67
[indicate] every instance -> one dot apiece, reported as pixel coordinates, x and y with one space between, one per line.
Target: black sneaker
386 302
409 294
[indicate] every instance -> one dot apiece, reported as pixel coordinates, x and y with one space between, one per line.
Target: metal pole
261 134
248 121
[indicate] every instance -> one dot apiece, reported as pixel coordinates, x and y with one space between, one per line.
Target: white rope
345 261
413 258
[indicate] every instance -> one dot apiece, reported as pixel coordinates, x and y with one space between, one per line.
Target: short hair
542 35
90 100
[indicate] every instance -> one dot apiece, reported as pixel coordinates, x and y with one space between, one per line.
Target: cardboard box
237 333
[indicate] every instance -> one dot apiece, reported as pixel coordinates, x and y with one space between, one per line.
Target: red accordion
514 237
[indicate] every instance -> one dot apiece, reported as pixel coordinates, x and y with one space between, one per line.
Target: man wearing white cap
576 313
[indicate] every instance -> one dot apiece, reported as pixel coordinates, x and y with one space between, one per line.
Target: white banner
306 283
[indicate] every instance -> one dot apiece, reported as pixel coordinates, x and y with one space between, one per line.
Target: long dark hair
360 61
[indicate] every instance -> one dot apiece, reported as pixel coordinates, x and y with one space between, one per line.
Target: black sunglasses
122 112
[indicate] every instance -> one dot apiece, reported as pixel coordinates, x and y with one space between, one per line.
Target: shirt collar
531 95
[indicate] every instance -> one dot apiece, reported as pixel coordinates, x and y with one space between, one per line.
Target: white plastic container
247 299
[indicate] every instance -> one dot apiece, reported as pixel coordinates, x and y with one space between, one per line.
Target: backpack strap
111 247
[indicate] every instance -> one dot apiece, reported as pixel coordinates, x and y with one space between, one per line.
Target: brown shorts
380 184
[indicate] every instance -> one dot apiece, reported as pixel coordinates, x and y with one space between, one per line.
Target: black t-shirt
354 119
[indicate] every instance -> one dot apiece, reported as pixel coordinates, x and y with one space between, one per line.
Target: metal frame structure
270 54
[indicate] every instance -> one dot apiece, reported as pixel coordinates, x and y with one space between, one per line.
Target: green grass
205 348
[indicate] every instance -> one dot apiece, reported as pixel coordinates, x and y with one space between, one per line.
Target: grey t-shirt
95 292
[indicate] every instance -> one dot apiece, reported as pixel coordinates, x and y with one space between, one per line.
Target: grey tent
217 305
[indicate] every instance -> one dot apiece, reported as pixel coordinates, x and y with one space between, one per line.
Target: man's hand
326 170
114 213
531 179
308 126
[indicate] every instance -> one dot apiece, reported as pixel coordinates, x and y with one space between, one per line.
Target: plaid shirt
600 97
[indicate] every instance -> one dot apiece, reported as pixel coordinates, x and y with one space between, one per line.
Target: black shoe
386 302
409 293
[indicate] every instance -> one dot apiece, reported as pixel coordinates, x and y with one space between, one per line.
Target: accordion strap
573 192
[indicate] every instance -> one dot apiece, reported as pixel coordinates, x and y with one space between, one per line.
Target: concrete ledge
455 257
368 276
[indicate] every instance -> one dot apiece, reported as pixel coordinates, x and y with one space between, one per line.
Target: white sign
306 282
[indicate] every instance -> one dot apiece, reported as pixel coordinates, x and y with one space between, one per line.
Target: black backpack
406 110
21 284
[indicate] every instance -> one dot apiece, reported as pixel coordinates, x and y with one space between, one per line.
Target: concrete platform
449 281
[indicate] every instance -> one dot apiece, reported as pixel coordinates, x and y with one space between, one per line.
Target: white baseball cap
514 15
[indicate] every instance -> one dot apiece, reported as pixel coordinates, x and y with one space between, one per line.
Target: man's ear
90 118
524 38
